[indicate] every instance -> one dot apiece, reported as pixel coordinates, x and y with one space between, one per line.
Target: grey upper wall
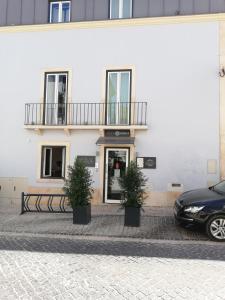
22 12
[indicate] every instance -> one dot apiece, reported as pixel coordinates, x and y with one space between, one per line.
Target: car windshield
220 187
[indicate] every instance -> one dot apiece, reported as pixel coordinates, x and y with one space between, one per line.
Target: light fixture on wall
222 72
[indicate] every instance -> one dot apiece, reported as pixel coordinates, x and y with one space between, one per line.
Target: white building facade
111 91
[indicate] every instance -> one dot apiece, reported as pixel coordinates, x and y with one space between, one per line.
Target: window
118 97
120 9
59 11
53 162
55 98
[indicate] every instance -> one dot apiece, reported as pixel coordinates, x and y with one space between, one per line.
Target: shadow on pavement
63 245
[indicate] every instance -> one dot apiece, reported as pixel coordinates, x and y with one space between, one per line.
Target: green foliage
133 183
78 185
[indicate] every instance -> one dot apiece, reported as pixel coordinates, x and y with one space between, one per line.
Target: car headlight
194 209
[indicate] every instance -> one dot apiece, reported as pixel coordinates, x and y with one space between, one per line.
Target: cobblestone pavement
155 224
70 268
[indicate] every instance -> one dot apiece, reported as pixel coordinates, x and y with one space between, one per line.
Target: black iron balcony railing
120 113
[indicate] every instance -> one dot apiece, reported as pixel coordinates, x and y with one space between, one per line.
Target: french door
55 98
118 97
59 11
116 162
120 9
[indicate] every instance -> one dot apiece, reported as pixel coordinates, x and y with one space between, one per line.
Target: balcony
86 115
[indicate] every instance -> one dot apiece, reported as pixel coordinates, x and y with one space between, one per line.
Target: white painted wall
176 71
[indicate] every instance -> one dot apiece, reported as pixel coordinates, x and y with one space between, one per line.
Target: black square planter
82 214
132 216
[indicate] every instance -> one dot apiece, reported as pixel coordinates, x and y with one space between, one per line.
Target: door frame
56 74
107 90
105 182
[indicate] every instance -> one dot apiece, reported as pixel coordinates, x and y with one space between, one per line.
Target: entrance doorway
116 162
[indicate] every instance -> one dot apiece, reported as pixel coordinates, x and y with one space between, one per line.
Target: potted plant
132 183
79 192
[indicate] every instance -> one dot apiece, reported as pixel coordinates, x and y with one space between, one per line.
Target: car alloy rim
217 229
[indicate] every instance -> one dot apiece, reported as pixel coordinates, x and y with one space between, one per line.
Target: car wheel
215 228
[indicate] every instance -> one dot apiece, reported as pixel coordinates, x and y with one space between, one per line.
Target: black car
206 207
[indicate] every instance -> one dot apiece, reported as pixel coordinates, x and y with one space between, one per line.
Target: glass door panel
118 98
54 13
114 9
66 12
127 9
115 166
62 91
112 98
56 99
124 98
50 116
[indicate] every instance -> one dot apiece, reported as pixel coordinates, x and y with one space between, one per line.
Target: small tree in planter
79 192
133 183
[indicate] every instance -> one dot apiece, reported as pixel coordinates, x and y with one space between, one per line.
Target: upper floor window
59 11
120 9
118 104
55 98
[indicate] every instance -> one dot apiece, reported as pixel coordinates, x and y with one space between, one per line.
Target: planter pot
132 216
82 214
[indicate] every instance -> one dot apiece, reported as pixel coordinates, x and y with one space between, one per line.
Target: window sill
48 180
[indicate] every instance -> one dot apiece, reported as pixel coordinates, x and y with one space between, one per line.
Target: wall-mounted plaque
117 133
140 162
89 161
146 162
150 163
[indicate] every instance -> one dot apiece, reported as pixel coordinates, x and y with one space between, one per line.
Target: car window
220 187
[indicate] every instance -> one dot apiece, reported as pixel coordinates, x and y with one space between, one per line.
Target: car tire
215 228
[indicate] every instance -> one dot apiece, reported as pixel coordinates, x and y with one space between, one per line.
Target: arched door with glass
118 97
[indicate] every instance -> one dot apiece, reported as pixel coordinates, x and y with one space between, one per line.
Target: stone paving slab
155 224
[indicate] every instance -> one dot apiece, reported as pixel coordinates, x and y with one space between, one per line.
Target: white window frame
63 161
121 2
50 164
118 85
60 3
44 162
56 121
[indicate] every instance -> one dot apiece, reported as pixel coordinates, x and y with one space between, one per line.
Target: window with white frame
53 162
55 103
118 97
59 11
120 9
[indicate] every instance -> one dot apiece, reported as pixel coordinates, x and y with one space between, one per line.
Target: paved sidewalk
156 223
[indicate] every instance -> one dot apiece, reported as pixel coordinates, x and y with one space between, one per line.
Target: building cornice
115 23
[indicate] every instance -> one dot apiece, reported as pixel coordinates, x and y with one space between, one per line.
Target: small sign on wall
140 162
89 161
117 133
146 162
